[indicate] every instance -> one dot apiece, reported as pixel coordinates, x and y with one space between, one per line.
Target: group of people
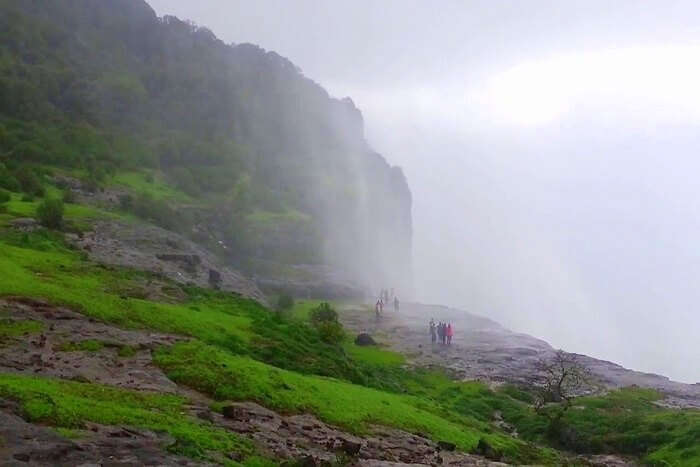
385 298
441 332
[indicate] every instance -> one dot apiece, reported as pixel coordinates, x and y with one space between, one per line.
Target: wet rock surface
150 248
41 354
297 437
24 444
304 437
484 350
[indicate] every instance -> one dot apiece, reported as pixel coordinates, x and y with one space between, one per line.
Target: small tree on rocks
561 378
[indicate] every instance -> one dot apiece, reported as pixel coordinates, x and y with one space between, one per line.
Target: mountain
274 169
144 165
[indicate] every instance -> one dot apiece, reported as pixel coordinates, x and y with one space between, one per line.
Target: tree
561 378
325 320
50 213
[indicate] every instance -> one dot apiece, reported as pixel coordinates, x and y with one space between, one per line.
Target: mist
550 147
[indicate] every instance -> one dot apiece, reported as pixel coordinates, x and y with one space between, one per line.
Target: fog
551 148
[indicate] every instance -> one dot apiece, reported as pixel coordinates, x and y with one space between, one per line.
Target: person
396 303
378 307
433 337
450 333
444 333
440 331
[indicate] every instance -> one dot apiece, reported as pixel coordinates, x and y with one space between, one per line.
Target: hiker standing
396 303
433 337
450 333
440 331
378 307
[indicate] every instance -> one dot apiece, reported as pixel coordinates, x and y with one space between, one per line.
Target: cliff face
281 170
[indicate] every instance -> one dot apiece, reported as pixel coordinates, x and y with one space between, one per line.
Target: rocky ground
484 350
284 436
150 248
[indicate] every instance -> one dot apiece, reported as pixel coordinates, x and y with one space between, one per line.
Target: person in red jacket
450 333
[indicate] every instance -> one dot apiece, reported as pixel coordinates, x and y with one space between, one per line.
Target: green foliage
50 213
68 196
15 328
68 404
325 319
29 181
352 407
323 313
285 302
127 351
158 211
5 196
8 181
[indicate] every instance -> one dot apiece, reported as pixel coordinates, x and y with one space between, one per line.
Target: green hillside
279 170
232 147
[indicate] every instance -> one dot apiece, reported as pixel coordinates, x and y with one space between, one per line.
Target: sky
551 148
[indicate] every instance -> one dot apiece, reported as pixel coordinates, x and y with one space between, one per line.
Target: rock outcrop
150 248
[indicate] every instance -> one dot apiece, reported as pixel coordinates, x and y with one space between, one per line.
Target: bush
27 198
50 213
68 195
157 211
285 302
4 196
29 181
325 320
8 182
324 313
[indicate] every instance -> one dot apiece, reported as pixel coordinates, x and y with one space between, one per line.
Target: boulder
233 412
364 339
351 448
214 278
446 446
486 450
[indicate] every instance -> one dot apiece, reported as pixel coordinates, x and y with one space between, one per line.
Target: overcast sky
551 148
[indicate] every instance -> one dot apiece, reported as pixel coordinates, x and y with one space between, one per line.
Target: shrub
126 202
8 181
325 320
4 196
324 313
68 195
29 181
50 213
27 198
285 302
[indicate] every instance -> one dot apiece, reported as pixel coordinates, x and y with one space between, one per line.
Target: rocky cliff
273 167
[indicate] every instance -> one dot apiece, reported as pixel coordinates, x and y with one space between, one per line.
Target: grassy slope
245 352
68 404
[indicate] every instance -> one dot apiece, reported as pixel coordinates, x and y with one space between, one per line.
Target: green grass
68 405
373 355
352 407
302 308
245 352
127 351
80 215
61 277
156 186
15 328
44 268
